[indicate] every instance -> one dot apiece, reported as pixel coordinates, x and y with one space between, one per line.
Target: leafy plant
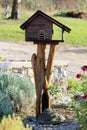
54 91
81 106
74 87
20 89
5 105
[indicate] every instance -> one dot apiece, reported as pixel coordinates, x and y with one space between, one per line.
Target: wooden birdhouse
39 27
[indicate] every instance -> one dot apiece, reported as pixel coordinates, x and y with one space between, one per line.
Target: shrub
12 123
5 105
20 89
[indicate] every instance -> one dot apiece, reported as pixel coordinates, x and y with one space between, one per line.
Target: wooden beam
38 65
41 63
62 34
50 62
49 42
36 78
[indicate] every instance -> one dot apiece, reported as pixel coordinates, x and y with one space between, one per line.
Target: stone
48 117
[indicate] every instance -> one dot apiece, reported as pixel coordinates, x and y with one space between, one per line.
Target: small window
41 35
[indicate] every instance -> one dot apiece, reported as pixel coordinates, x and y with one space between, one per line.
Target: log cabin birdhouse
39 28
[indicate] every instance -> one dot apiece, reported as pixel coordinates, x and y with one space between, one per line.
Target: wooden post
50 62
38 63
36 77
45 96
42 76
62 34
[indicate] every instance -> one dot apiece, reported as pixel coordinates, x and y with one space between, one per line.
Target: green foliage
80 106
84 83
74 86
82 114
54 91
5 105
76 36
18 88
12 123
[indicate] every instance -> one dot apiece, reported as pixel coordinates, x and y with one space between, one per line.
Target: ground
74 56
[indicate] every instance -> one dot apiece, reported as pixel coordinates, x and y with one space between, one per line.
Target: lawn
78 34
10 30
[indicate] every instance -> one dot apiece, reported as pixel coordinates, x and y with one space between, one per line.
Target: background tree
15 9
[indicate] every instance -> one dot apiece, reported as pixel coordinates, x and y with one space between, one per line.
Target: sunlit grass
78 34
10 30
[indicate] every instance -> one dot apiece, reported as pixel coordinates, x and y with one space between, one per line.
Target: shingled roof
26 23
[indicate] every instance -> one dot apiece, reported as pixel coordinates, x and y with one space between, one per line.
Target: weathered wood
45 100
45 42
36 26
36 77
50 62
38 64
34 67
41 64
62 34
42 76
45 96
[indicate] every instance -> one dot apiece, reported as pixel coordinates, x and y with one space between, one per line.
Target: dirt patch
65 111
75 56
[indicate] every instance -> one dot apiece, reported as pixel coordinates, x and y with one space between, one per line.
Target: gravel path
75 56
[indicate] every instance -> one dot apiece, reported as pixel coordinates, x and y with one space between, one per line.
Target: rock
68 125
49 117
30 120
49 120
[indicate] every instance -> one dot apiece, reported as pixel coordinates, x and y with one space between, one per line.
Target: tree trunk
14 13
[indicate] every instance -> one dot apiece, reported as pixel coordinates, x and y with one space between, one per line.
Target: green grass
10 30
78 34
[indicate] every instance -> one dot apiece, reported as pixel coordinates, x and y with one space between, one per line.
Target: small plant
55 91
74 87
5 105
12 123
19 89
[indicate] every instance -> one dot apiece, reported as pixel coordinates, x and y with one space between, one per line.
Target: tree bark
36 77
38 64
14 12
50 62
